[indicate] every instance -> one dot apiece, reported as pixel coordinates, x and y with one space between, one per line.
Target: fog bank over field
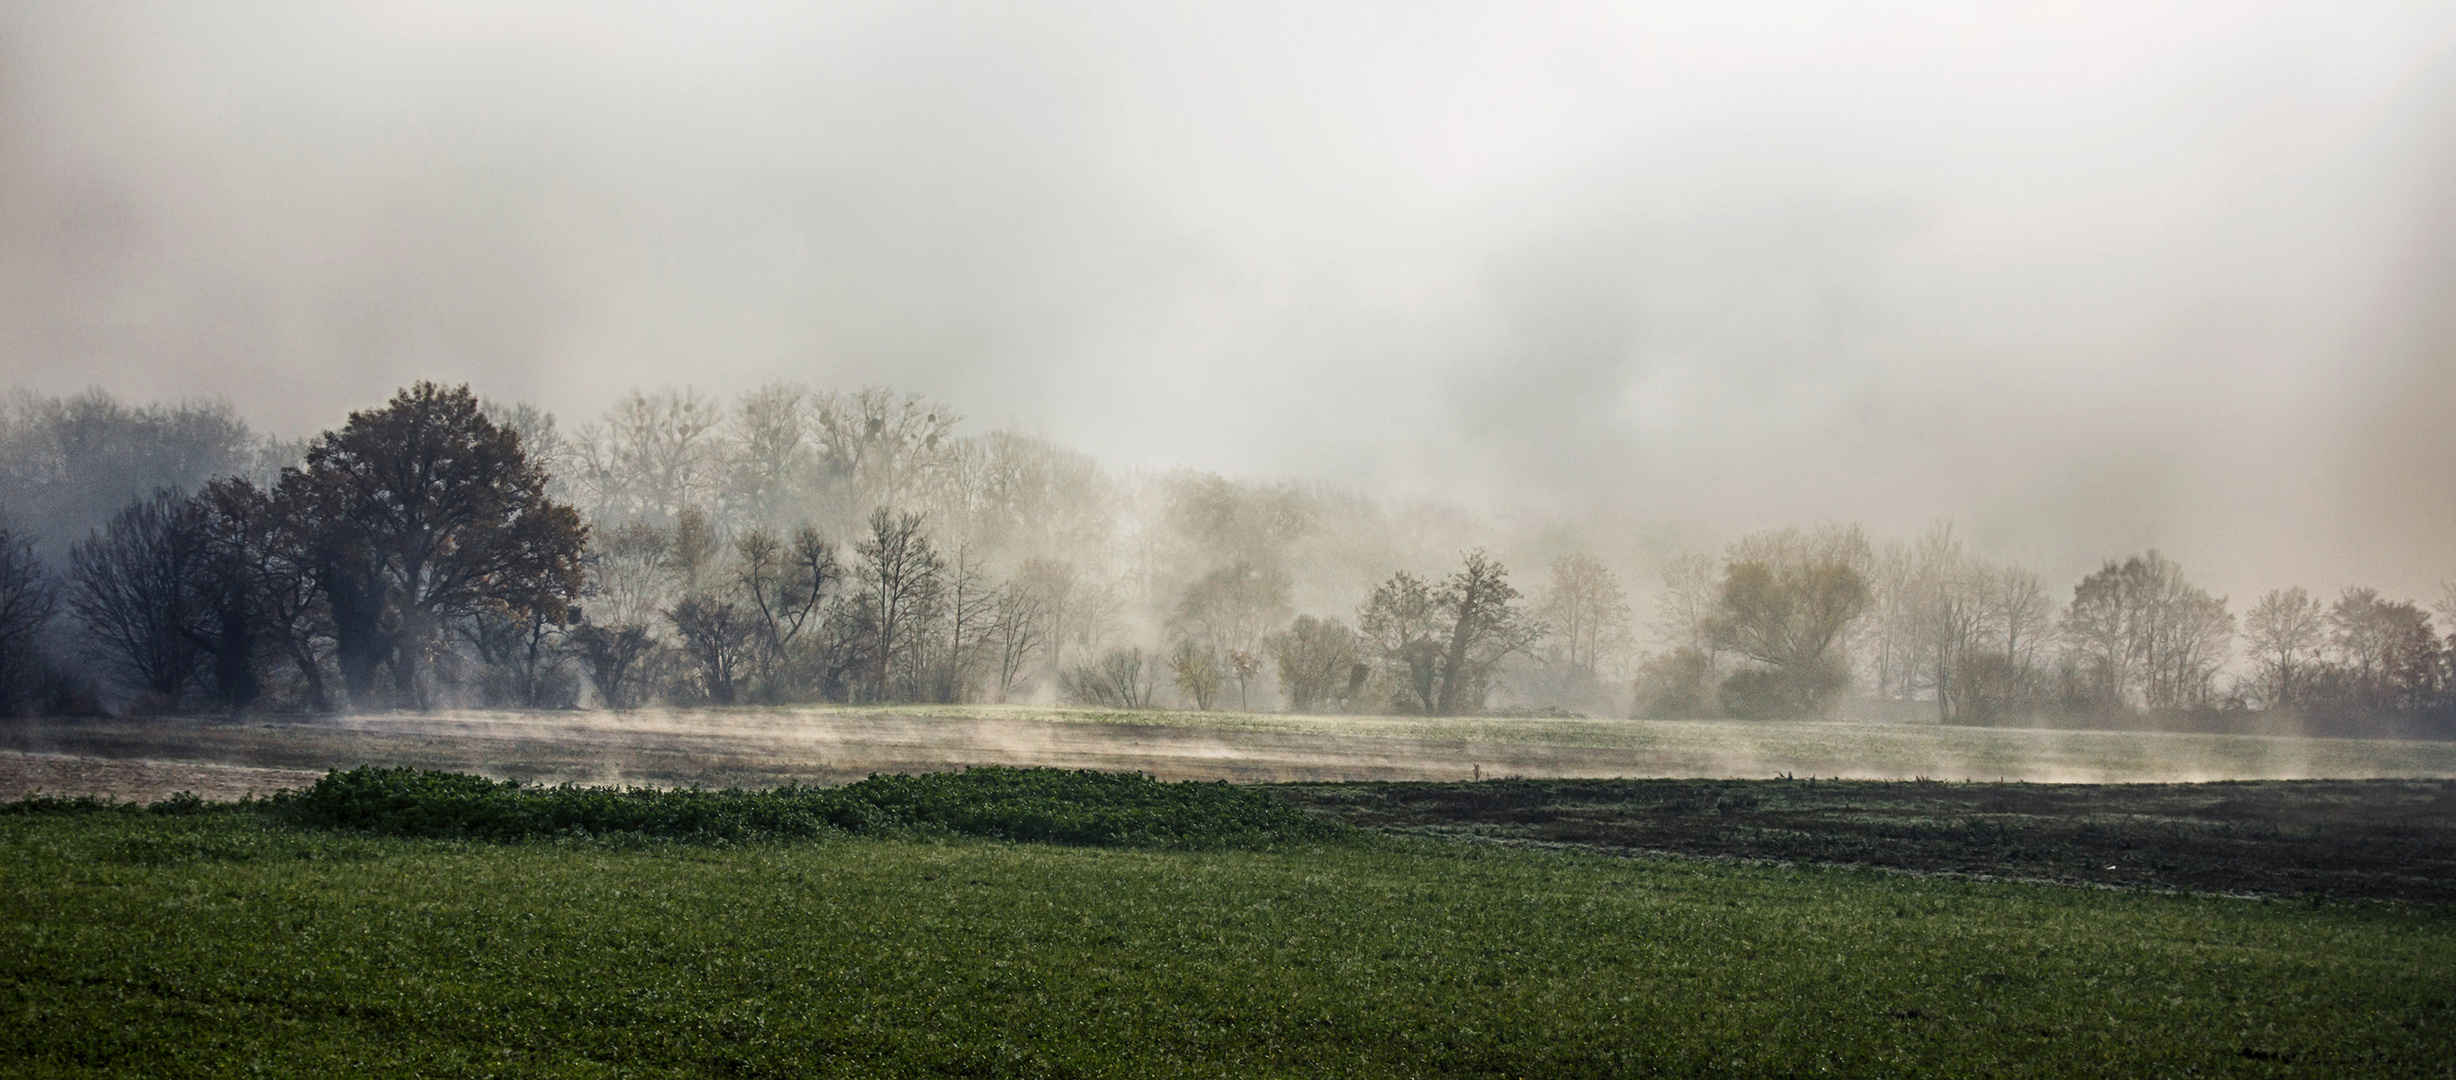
2085 280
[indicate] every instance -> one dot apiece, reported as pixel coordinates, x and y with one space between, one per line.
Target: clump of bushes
1056 806
183 803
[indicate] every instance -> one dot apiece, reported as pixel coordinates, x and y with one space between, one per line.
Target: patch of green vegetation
1041 805
145 944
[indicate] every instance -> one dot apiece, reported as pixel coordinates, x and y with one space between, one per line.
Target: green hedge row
1042 805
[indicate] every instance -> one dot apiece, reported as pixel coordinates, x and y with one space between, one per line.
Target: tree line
1787 622
424 554
805 545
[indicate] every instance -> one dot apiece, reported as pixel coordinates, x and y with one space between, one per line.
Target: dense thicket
802 545
1037 805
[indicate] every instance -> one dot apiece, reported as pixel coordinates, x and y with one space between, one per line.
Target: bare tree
1246 665
898 581
1197 672
2284 634
1212 520
1891 641
612 655
262 584
523 649
69 465
876 449
694 558
786 588
2196 646
1093 616
1685 609
2147 636
651 456
1588 615
1031 495
629 577
768 453
967 618
1049 591
128 585
2019 614
1318 662
717 639
1401 626
2101 626
1120 679
1998 672
1228 611
1478 608
226 621
1946 606
630 587
1016 634
2362 637
27 600
540 439
1679 677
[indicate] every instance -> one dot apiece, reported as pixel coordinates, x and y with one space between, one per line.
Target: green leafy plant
1038 805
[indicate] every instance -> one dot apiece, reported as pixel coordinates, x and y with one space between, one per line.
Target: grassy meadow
224 941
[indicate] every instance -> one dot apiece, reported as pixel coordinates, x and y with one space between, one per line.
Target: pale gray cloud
2083 277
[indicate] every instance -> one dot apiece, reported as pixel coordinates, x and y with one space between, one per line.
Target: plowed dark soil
2379 839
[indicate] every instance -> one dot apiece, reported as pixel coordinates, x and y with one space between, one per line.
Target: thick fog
2085 279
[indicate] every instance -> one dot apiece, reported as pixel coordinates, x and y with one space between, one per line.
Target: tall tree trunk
358 645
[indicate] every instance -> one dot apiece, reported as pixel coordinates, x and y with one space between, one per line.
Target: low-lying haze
2084 278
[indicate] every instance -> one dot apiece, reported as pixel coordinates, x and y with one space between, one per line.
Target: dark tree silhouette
2388 655
262 589
423 512
717 638
1479 606
612 655
785 587
27 601
1441 645
897 592
1401 626
129 586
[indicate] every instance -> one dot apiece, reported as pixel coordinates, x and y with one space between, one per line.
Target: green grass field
223 943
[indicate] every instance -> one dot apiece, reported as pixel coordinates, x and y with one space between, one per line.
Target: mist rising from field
150 759
2085 280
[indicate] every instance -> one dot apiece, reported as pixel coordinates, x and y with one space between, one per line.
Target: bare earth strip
137 779
757 747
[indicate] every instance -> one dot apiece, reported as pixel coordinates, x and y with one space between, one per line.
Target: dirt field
2097 807
2377 839
138 779
151 758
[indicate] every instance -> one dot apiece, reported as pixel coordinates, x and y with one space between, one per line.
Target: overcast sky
2083 278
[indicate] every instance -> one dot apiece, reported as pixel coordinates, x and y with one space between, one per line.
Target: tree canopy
423 511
